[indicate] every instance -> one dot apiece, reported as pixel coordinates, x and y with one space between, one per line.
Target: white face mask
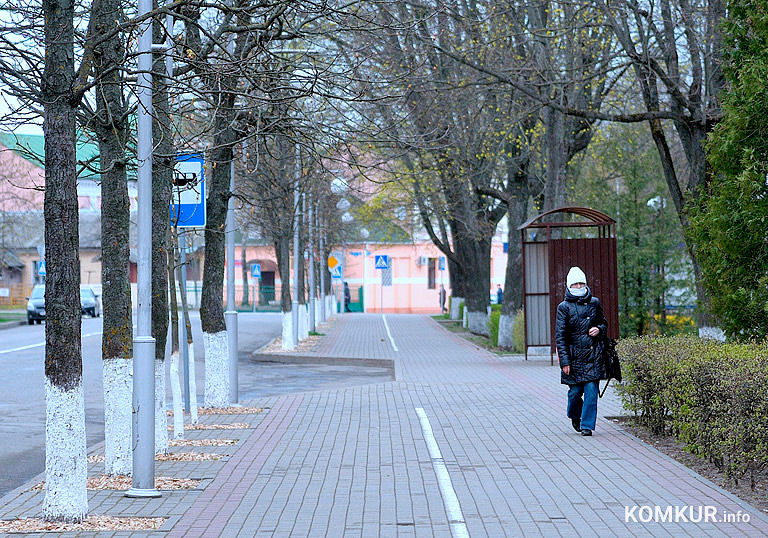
578 292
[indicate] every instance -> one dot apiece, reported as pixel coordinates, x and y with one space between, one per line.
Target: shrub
493 326
712 396
518 332
461 310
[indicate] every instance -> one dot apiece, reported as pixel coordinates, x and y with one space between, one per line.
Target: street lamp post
143 414
296 254
323 314
311 244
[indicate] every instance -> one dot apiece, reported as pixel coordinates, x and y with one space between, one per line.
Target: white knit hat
575 275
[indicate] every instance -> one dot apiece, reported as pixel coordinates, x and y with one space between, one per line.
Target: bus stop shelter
552 243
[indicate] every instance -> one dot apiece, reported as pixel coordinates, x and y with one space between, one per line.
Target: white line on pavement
392 340
451 501
39 344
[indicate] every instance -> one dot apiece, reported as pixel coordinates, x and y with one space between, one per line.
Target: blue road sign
336 272
256 270
188 199
442 263
41 269
382 261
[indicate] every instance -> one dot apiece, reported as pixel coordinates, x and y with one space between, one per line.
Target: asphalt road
22 392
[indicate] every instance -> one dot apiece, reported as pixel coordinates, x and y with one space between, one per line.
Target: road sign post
381 261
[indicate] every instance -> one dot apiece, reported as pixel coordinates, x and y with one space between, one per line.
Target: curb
11 324
389 364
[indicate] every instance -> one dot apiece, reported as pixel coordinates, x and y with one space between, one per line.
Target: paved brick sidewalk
355 461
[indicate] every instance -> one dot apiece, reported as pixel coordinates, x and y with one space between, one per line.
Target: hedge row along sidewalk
711 396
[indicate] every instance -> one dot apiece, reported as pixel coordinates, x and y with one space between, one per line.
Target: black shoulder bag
612 364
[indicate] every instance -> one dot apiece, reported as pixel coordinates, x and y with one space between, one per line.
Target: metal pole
184 347
323 315
143 413
311 246
230 316
296 254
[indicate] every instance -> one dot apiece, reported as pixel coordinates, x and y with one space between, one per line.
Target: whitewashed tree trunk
66 467
464 319
712 333
161 420
178 408
506 340
117 377
456 303
216 369
287 336
192 385
477 322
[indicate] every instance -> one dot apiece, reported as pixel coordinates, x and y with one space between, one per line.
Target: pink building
414 274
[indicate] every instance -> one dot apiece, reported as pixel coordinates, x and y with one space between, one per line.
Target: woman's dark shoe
576 423
586 432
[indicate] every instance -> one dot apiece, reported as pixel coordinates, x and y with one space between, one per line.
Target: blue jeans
586 409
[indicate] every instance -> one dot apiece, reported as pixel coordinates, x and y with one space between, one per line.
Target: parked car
36 305
89 303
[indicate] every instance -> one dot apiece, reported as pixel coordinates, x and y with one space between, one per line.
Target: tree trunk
212 306
163 163
111 127
477 270
517 210
65 457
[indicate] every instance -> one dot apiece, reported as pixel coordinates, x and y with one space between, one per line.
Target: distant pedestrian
499 294
580 331
442 299
347 297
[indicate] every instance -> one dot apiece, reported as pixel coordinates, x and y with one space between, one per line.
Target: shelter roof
595 218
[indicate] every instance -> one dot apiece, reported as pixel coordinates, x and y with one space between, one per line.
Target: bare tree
110 123
65 497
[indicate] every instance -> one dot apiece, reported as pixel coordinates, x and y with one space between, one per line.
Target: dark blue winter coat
575 348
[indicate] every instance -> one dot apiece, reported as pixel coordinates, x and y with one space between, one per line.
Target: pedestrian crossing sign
336 272
382 261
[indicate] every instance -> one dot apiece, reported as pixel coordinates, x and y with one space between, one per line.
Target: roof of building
9 259
32 148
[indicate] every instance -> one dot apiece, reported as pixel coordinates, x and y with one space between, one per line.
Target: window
431 265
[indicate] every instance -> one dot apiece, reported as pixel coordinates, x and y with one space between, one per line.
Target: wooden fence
13 294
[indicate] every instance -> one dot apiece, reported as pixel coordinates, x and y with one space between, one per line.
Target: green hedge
711 396
493 326
518 332
461 310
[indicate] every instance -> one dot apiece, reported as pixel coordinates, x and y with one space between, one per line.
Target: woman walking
580 331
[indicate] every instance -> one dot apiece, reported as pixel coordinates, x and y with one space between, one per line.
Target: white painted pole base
193 418
178 405
230 318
